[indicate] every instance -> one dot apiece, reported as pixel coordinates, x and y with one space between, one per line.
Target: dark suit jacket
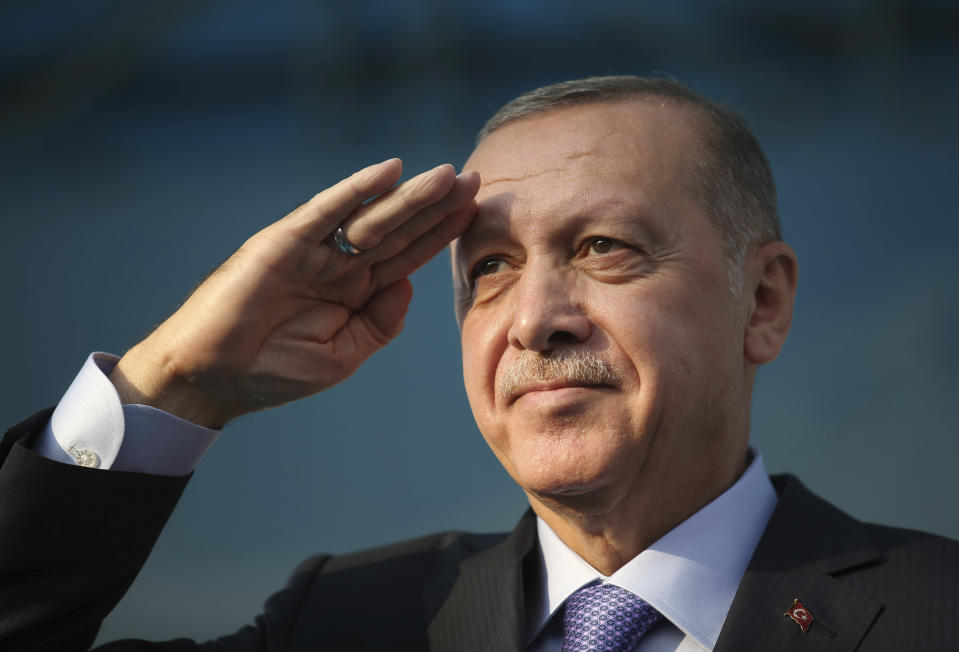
65 563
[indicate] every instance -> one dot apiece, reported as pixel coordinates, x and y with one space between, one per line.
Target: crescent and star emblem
800 615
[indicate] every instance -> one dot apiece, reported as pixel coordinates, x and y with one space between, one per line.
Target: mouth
555 388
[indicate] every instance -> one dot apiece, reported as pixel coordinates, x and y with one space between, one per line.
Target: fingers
372 212
372 222
460 196
328 209
403 227
424 248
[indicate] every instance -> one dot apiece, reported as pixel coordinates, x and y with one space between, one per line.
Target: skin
590 238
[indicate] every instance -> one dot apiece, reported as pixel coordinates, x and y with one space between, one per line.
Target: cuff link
84 457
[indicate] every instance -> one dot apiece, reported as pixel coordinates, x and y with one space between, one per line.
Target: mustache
566 365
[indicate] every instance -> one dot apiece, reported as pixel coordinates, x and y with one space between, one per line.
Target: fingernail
376 168
389 161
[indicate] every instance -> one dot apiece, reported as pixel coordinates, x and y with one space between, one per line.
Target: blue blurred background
140 143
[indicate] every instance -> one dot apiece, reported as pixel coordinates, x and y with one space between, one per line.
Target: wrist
146 378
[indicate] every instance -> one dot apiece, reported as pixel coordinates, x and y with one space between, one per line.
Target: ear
771 274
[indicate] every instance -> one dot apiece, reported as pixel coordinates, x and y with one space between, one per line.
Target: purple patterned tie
605 617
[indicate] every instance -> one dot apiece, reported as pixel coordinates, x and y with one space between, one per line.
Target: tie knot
605 617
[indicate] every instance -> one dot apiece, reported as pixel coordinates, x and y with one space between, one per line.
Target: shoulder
910 577
821 519
824 531
912 566
405 583
420 556
905 543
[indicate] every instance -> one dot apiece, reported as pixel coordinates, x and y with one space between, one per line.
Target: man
619 278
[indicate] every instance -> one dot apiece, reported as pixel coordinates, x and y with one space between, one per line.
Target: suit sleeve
273 631
72 540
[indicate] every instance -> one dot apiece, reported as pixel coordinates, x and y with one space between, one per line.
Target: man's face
590 246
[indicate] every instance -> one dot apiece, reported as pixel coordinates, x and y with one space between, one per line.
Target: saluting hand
289 314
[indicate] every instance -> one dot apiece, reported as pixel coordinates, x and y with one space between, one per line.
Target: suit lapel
484 608
805 545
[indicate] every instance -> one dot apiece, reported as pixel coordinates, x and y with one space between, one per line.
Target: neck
610 526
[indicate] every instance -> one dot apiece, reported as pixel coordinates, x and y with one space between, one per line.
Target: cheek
479 373
683 349
664 343
639 325
479 368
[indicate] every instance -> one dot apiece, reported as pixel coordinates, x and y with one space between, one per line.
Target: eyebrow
475 237
495 226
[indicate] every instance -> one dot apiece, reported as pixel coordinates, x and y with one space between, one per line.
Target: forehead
645 135
560 164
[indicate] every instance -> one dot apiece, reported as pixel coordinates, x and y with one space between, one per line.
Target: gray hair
734 179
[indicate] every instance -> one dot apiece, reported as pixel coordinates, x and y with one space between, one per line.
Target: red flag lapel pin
800 615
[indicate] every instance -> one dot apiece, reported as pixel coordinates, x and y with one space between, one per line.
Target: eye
488 266
602 245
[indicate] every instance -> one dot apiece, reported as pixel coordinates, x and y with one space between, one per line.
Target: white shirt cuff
91 428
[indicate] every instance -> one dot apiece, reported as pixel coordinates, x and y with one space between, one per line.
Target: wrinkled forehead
542 162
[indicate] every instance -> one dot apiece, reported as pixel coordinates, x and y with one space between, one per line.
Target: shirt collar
690 575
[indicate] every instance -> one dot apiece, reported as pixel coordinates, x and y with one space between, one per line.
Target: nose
546 312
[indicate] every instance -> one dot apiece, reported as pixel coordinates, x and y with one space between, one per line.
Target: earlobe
775 272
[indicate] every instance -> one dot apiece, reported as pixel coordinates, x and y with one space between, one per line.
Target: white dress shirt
690 575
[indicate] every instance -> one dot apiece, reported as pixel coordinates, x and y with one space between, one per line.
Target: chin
564 469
